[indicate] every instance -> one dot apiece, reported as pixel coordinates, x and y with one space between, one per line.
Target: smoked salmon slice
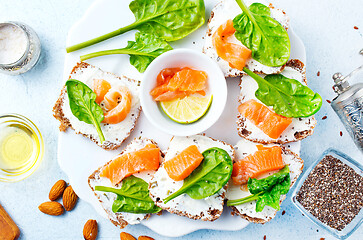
262 117
118 102
183 164
236 55
165 75
253 165
100 87
147 158
173 83
188 80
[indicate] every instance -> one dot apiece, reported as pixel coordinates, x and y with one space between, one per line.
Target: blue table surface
332 44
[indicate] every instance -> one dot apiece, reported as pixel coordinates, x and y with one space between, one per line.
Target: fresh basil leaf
132 197
142 52
266 191
264 36
167 19
288 97
209 177
83 105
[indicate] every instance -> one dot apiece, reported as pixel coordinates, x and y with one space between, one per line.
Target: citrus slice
188 109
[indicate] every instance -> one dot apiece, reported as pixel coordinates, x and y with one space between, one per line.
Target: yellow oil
17 147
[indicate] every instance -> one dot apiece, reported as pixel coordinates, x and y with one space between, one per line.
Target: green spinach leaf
266 191
209 177
288 97
132 197
142 52
83 105
264 36
167 19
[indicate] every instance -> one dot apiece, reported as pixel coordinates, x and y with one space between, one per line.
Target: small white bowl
184 58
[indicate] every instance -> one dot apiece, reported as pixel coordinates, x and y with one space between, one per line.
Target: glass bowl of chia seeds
330 193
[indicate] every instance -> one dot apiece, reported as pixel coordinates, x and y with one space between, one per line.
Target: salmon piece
171 95
188 80
159 90
203 93
101 87
269 122
165 75
236 55
183 164
147 158
262 161
118 103
173 83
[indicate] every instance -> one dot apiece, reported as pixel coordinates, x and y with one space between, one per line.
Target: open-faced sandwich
99 105
277 108
251 35
121 185
192 180
262 176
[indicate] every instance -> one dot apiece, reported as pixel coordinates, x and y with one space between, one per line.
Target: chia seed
333 193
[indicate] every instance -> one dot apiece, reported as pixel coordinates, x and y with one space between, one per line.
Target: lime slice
188 109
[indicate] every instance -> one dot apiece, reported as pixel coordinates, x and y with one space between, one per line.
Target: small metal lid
341 82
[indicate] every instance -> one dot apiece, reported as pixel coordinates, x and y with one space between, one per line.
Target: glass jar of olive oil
21 147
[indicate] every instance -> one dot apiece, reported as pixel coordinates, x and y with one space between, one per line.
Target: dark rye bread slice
58 109
228 9
299 129
118 219
295 172
175 206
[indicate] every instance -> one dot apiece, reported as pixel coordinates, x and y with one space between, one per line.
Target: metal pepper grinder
348 105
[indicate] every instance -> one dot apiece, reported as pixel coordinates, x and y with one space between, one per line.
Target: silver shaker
348 105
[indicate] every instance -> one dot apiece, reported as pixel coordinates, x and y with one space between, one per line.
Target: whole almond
90 230
51 208
126 236
57 190
69 198
145 238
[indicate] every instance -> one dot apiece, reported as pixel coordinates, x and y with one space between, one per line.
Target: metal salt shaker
348 105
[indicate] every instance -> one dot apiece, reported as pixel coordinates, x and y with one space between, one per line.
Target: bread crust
298 135
121 223
235 211
65 123
214 213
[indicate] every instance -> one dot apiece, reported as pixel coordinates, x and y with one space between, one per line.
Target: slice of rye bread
247 210
161 185
120 219
228 9
115 134
299 129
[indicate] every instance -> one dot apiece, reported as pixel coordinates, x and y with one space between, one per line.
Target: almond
145 238
51 208
126 236
69 198
57 190
90 230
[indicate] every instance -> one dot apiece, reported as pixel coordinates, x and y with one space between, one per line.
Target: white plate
79 157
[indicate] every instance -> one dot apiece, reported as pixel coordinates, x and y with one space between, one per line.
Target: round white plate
79 157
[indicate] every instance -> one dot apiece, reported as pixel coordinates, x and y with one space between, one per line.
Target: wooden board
9 230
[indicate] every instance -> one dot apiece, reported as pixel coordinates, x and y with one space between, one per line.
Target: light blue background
326 28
